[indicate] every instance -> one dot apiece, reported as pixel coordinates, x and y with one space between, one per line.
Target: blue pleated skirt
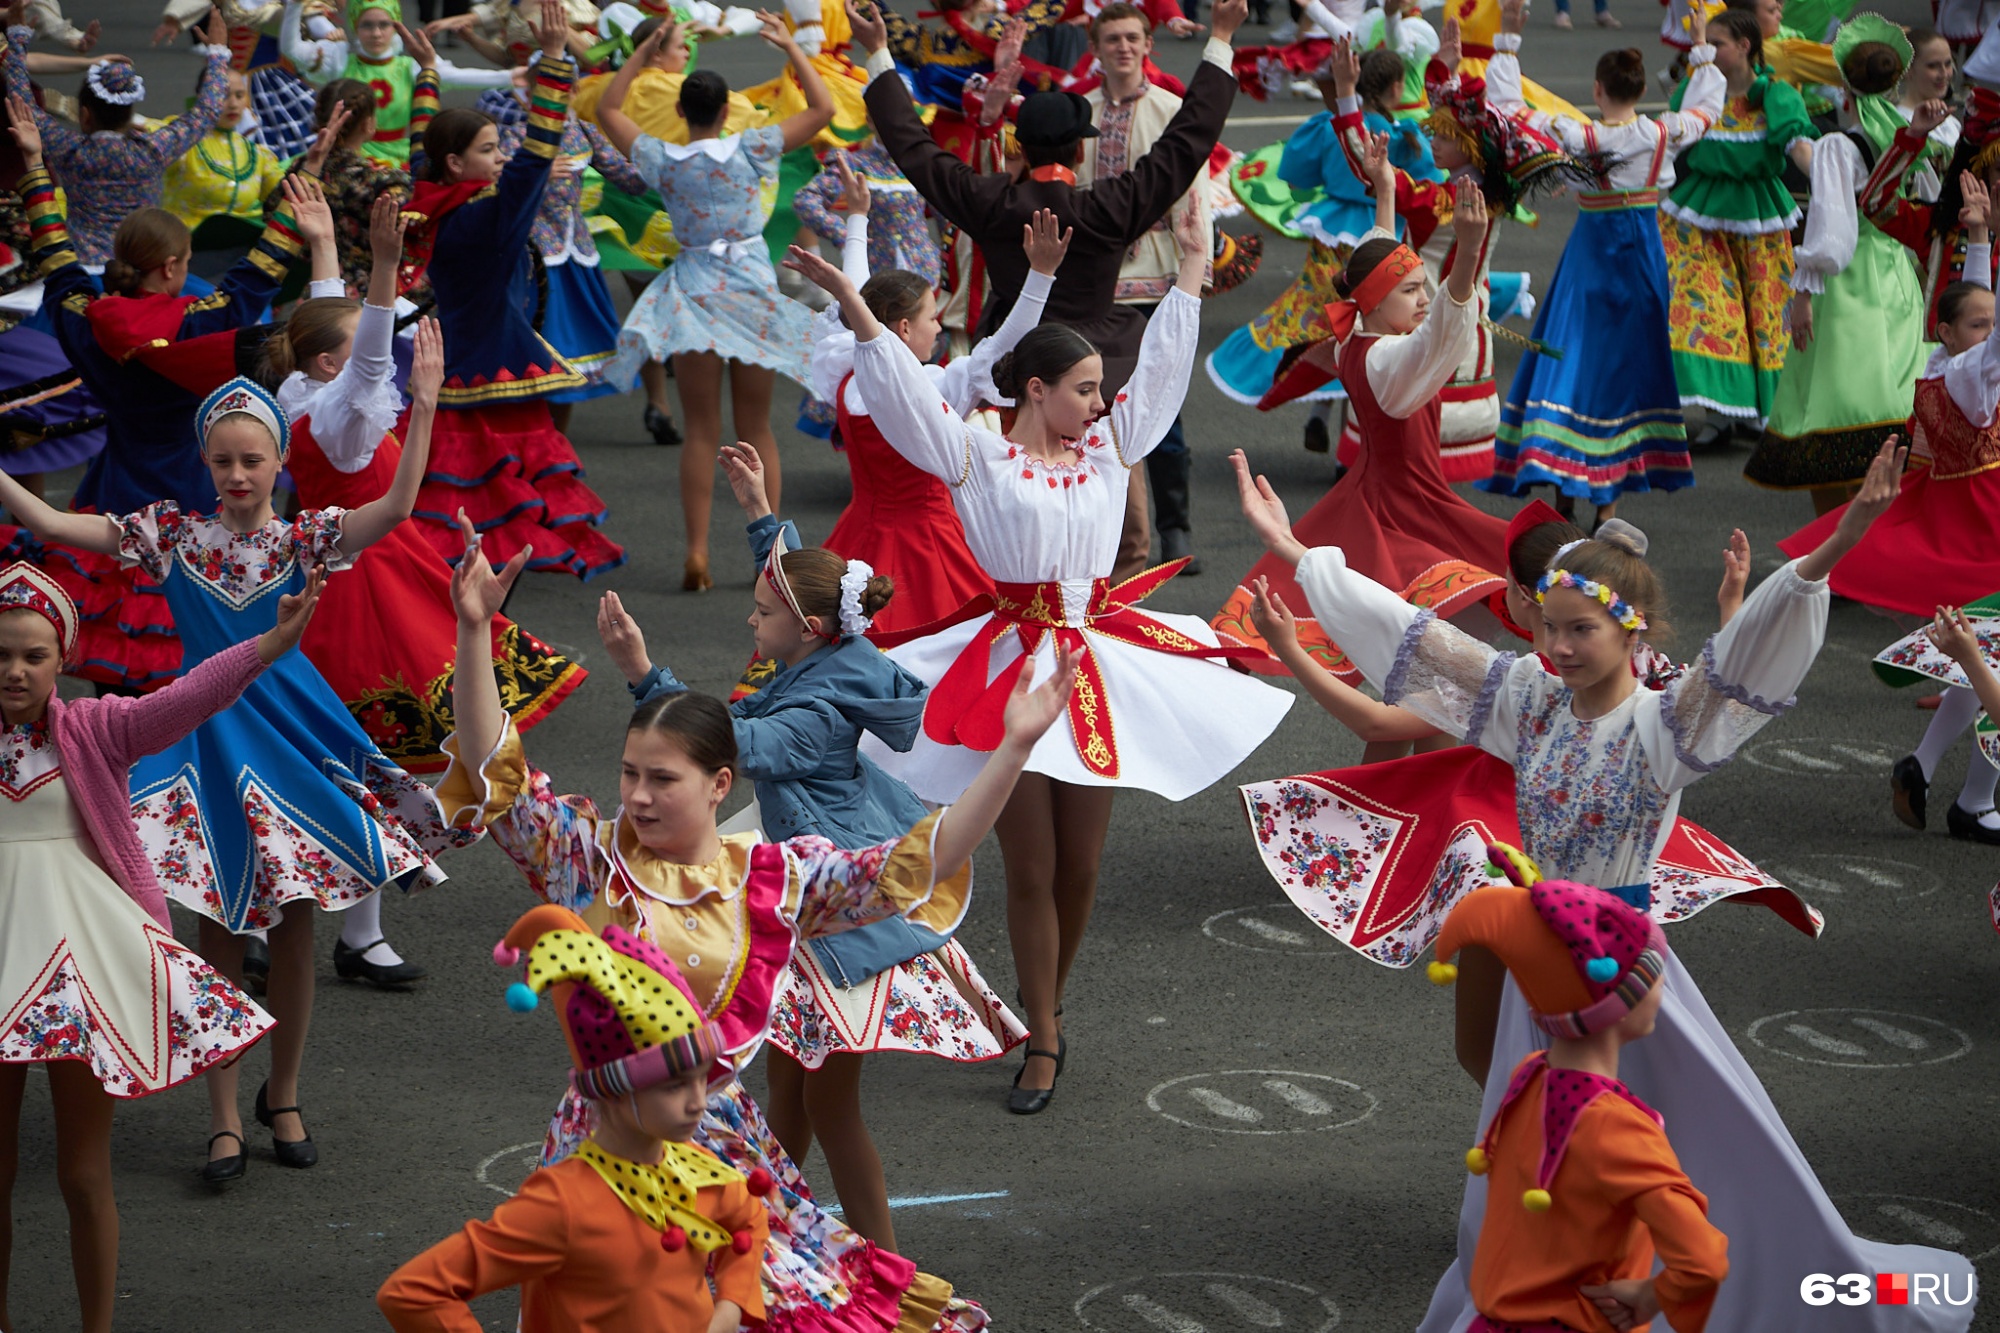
582 324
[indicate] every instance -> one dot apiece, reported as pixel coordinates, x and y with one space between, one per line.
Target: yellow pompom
1441 974
1537 1201
1475 1161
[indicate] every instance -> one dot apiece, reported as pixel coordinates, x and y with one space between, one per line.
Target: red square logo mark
1892 1288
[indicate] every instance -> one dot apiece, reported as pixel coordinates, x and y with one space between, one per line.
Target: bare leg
290 1000
1480 974
1605 513
560 414
785 1111
83 1173
1027 832
13 1087
1826 499
750 390
223 952
700 376
1377 752
1082 819
653 378
833 1099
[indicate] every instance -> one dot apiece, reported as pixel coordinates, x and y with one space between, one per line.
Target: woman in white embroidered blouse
1043 508
1601 764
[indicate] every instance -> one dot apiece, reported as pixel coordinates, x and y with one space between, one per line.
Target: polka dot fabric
1592 924
664 1194
1566 1093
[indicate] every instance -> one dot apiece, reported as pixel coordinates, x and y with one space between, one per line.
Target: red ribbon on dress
966 709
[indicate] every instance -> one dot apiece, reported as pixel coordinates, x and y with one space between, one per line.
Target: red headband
1374 289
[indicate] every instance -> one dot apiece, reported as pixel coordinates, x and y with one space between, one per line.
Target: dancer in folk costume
639 1229
1604 417
1933 545
1584 1189
1394 348
1857 313
226 174
1960 650
659 869
368 53
141 346
798 738
1727 231
498 455
109 168
1601 764
1419 825
282 804
900 519
352 180
1930 77
281 101
1043 506
717 306
95 988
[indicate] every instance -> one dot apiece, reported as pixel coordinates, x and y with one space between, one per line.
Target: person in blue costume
797 738
138 342
497 454
1314 164
282 803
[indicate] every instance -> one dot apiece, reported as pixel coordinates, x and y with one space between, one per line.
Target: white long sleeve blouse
352 411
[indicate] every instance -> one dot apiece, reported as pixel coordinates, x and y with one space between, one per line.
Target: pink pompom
505 954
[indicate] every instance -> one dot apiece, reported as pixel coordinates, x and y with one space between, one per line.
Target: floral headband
24 587
1621 610
116 82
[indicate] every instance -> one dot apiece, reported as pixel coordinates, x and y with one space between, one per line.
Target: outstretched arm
86 532
1029 714
367 524
477 594
1368 719
1878 490
801 126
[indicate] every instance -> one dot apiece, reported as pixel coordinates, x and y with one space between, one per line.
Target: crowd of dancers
319 339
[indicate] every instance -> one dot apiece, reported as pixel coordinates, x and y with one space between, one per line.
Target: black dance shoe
298 1153
1317 439
256 965
661 427
223 1170
352 965
1033 1101
1908 790
1965 825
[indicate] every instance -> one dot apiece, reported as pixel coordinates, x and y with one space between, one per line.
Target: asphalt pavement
1262 1130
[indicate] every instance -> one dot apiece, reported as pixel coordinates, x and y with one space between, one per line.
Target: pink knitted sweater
100 739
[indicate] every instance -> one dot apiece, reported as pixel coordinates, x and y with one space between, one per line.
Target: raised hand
1226 16
477 593
853 189
324 141
1880 488
1977 212
385 229
215 33
1046 241
1735 575
745 472
774 30
1954 635
1273 619
622 639
812 266
21 124
1344 67
1513 16
417 46
295 609
1929 115
1265 511
1030 713
871 33
1469 216
307 204
1376 167
427 365
1189 233
1451 47
88 42
554 25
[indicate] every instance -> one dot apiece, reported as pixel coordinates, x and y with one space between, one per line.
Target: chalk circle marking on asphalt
1205 1303
1822 757
1262 1101
1859 1038
1269 928
481 1173
1863 877
1911 1219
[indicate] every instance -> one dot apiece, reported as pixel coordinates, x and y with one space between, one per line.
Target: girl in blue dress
798 738
282 803
718 301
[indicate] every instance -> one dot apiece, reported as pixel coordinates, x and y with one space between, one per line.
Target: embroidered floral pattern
239 567
27 759
1584 799
1728 306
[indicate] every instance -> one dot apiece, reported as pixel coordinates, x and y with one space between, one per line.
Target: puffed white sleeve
353 412
968 379
832 353
1145 408
1972 378
1406 372
1748 673
1833 223
1420 663
1701 104
854 250
908 409
1505 94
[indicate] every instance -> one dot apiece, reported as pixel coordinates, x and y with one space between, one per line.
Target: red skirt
518 479
1933 547
125 630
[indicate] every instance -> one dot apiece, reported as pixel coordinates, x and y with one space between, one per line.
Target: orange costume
1583 1188
600 1243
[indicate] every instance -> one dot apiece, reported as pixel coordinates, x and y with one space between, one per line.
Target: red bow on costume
146 329
966 709
1374 290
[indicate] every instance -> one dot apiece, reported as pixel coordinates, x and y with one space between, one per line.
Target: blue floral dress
720 294
283 796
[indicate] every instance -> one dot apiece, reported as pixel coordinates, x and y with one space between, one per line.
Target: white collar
719 149
295 395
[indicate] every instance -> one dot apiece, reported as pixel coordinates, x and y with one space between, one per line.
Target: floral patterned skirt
819 1277
86 974
935 1004
1726 320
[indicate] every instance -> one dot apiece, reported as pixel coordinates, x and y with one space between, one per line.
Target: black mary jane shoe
1033 1101
351 964
256 966
1908 790
223 1170
298 1153
1318 439
1965 825
661 427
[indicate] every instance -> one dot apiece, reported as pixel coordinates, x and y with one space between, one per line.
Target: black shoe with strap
1909 791
222 1170
1971 825
298 1153
1033 1101
351 964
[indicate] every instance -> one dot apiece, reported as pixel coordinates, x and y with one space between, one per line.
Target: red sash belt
966 709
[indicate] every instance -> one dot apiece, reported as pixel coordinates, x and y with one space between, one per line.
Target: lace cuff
1710 718
1445 676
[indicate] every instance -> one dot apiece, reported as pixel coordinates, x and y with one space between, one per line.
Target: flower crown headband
1621 610
853 583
